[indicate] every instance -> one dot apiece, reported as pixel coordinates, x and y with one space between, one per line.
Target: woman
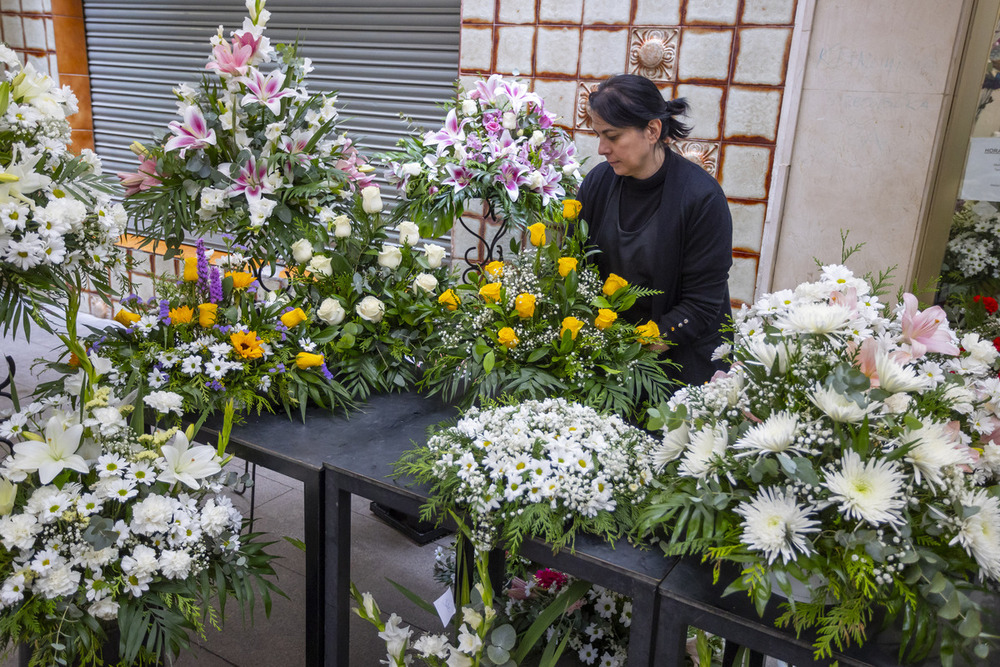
660 221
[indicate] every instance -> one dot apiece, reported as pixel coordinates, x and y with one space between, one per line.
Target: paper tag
445 606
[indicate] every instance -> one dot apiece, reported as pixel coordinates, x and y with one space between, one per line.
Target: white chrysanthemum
836 406
934 449
776 434
979 534
673 445
706 446
165 402
895 377
152 514
774 523
815 318
869 491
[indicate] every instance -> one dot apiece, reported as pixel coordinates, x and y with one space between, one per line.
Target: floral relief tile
752 113
515 47
704 110
745 171
761 55
477 48
711 12
748 225
704 54
586 147
34 33
652 53
560 11
657 12
516 11
560 99
558 51
705 154
583 104
768 11
608 12
743 278
478 10
603 53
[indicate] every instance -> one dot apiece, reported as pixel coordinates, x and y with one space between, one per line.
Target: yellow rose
648 332
524 304
449 299
126 317
181 315
207 312
613 284
306 360
490 292
246 344
494 269
572 325
293 318
537 232
241 279
605 318
507 337
567 264
190 269
571 209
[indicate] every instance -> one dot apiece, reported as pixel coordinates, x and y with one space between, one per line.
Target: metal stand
9 382
494 251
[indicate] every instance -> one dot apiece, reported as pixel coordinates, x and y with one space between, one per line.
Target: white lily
56 453
188 464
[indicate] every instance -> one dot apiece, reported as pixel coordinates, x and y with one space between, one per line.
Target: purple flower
165 311
215 385
266 90
460 176
202 265
512 176
252 181
449 135
215 285
326 372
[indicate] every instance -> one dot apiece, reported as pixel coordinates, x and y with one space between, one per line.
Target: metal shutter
384 57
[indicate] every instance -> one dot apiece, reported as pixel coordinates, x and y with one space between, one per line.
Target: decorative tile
603 53
762 55
748 225
32 6
515 47
34 33
609 12
560 11
652 53
10 5
703 153
743 278
745 171
704 54
516 11
558 51
560 99
50 36
478 10
586 147
768 11
752 113
711 12
477 48
657 12
583 103
704 110
13 34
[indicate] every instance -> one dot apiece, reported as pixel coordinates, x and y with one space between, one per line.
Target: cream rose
371 199
537 139
331 312
370 309
426 282
468 107
435 254
390 256
409 233
302 251
509 121
321 264
411 168
341 226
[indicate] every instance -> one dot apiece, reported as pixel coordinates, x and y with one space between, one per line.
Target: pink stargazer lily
251 182
194 133
248 38
231 59
460 176
143 179
923 330
449 135
512 176
487 90
266 90
295 146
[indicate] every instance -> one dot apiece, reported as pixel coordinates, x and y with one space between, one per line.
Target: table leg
643 628
338 574
315 565
671 635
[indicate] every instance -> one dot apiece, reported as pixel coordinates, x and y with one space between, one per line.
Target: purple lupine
215 285
165 311
202 266
326 372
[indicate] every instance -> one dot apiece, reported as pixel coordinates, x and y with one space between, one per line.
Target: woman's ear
653 130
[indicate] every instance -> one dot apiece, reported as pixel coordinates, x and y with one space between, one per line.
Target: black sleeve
706 257
593 195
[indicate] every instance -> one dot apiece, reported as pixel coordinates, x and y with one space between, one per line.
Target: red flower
990 304
996 343
548 578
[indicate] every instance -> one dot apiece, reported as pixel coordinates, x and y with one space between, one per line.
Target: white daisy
869 491
777 525
191 365
776 434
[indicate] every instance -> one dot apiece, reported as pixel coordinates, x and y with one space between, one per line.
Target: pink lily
295 146
449 135
231 59
143 179
193 134
923 330
248 38
460 176
519 96
266 90
551 189
251 182
487 90
512 176
351 164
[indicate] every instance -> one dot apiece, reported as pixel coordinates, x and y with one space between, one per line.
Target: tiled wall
727 57
26 26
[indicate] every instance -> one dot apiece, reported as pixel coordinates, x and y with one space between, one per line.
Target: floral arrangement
372 301
972 256
256 155
546 468
543 323
498 144
100 525
57 221
216 336
852 449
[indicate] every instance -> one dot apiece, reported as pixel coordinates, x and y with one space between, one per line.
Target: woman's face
629 150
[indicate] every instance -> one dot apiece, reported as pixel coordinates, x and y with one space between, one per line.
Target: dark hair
630 100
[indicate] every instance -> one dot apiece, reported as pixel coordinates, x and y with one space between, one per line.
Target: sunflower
247 344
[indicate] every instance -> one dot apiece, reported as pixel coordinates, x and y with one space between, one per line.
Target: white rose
302 251
426 282
371 199
435 254
370 309
509 121
409 233
537 139
469 107
321 264
536 180
331 312
411 168
342 227
390 256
